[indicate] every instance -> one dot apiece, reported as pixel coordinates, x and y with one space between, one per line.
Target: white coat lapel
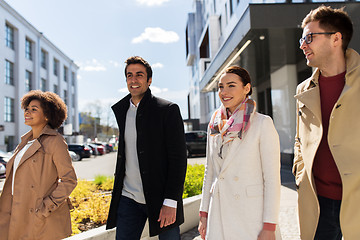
231 155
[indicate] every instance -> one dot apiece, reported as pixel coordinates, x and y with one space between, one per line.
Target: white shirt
17 160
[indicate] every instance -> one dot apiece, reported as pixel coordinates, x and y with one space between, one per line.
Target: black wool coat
161 153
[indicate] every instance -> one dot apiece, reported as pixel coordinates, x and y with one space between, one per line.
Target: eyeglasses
309 37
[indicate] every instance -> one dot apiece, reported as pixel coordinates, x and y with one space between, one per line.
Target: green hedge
194 180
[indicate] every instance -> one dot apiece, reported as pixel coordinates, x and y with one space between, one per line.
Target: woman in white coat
241 190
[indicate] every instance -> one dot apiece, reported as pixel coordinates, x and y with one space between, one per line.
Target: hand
167 216
266 235
202 227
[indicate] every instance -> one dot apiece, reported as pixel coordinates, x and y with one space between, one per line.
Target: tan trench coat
344 143
45 177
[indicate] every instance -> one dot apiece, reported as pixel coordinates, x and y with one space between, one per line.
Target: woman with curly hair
35 201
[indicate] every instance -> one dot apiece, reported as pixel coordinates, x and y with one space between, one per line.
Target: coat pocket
254 203
254 190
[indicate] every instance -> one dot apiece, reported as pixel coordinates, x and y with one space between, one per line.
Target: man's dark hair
139 60
332 20
53 106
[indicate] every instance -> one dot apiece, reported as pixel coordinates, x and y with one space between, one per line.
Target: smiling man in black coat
151 161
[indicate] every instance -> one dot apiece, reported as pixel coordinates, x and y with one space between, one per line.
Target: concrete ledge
191 214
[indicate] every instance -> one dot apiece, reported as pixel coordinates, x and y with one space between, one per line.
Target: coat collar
310 95
47 130
120 108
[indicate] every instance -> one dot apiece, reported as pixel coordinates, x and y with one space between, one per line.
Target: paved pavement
288 206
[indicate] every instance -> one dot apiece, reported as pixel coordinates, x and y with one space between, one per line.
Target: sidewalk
288 216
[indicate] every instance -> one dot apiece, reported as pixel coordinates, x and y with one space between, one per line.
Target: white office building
28 61
261 36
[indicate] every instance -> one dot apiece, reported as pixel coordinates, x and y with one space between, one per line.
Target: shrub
194 180
91 200
91 206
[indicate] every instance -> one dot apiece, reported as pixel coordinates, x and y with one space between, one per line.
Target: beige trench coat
44 179
242 191
344 143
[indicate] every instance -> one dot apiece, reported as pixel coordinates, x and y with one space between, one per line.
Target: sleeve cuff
269 226
170 203
203 214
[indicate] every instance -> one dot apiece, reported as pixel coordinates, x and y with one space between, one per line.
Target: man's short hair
139 60
332 20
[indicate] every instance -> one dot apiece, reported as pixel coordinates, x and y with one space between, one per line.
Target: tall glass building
262 37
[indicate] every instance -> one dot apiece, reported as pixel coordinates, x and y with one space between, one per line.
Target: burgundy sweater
326 174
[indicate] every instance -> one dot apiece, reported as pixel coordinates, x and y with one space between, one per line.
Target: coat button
31 210
34 160
32 186
236 178
237 196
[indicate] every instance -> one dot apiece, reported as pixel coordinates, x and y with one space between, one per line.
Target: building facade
262 37
28 61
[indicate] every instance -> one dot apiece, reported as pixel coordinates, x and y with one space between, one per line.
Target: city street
88 168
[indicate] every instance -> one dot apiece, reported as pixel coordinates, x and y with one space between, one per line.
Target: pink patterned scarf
234 126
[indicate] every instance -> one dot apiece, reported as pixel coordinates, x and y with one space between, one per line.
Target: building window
9 72
73 78
28 49
43 59
65 74
9 110
214 4
43 84
56 65
27 81
65 97
55 89
9 36
231 7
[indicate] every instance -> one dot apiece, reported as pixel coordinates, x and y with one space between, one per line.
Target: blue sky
100 35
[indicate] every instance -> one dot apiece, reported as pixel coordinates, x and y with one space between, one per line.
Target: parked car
2 169
195 142
82 150
74 156
109 147
94 149
100 148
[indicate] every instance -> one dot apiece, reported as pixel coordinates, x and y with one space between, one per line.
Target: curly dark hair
243 74
53 106
336 20
139 60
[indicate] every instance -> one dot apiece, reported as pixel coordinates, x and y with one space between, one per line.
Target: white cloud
91 66
157 65
157 90
114 63
151 2
123 90
157 35
95 65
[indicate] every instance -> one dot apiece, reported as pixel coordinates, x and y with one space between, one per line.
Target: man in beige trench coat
327 141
